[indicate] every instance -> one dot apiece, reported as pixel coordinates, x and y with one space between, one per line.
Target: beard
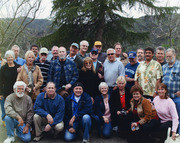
170 61
20 94
62 57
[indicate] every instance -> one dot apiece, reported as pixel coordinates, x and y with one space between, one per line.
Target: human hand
92 99
106 120
100 76
118 112
1 97
34 89
72 121
21 122
47 128
72 130
50 119
133 125
178 94
19 69
114 88
173 135
26 129
68 86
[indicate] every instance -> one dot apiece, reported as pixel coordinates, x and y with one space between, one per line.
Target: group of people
131 93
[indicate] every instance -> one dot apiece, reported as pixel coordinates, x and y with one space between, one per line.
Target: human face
73 50
62 53
16 52
160 55
35 50
118 49
20 91
88 65
111 55
84 46
121 85
133 61
51 90
99 47
10 59
136 96
170 57
161 92
149 55
104 90
55 51
140 54
43 57
30 59
78 90
94 56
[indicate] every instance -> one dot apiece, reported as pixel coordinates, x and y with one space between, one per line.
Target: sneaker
9 140
85 141
38 138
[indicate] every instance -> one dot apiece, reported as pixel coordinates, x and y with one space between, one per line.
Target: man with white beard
171 77
19 113
63 72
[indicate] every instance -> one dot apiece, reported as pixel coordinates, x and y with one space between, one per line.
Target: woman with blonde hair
31 75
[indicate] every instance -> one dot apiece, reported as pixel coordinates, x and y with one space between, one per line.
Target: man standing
101 55
113 68
148 74
54 52
160 55
83 49
74 57
19 113
44 64
140 55
77 113
18 60
171 77
49 111
63 72
130 69
35 50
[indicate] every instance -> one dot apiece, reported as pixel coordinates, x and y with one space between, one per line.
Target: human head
19 88
170 56
73 49
9 55
103 88
94 54
118 48
16 50
62 53
98 45
43 53
160 53
54 52
137 92
162 90
88 64
30 57
84 46
35 49
140 54
132 57
111 54
149 53
78 89
121 82
51 89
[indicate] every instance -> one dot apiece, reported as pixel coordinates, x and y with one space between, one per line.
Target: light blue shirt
20 61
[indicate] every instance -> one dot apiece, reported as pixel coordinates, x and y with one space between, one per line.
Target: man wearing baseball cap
101 55
130 69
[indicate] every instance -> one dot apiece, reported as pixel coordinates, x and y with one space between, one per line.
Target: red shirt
123 103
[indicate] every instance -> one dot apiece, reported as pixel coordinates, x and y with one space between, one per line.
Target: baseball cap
94 51
132 54
75 44
43 50
78 84
97 43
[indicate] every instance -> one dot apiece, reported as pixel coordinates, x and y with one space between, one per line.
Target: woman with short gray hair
8 75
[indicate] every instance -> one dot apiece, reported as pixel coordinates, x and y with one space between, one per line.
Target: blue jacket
84 107
55 107
54 74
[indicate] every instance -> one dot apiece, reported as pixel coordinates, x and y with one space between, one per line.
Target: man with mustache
171 77
19 113
62 71
148 74
140 55
54 52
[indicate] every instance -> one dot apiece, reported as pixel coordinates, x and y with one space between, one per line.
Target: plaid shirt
70 69
171 77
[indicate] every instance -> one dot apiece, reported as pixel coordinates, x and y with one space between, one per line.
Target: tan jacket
144 110
37 77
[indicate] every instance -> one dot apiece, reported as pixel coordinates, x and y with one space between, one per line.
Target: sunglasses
110 54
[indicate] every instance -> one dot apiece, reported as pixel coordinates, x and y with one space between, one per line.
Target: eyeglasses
110 54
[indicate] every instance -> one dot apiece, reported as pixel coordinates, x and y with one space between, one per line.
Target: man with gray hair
171 77
160 55
19 113
83 49
54 52
18 60
113 68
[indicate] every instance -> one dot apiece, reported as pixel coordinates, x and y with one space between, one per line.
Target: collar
46 96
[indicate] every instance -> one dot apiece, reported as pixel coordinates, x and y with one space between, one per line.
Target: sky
46 8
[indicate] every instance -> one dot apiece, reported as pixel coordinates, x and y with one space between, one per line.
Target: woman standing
102 111
168 114
31 75
8 75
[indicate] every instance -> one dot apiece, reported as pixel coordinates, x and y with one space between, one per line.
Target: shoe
4 123
38 138
85 141
9 140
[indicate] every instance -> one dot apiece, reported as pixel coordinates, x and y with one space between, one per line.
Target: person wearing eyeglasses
113 68
83 49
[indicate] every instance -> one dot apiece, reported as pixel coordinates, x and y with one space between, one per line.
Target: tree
99 20
17 12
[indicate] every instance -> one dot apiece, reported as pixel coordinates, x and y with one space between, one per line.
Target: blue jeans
12 123
86 124
177 102
2 108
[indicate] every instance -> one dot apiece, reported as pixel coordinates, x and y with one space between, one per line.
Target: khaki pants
39 122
